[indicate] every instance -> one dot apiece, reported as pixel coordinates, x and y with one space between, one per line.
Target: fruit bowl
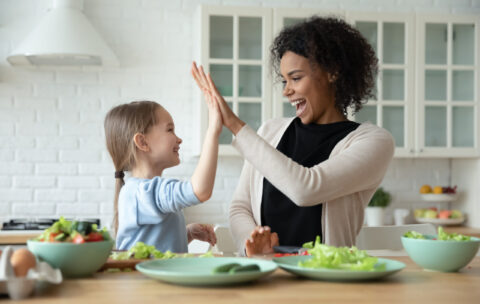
446 256
440 221
443 197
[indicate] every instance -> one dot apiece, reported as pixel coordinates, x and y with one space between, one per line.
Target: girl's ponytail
119 182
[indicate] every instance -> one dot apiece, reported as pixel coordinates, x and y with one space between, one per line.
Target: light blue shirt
150 211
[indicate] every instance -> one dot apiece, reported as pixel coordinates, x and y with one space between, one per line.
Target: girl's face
163 142
309 90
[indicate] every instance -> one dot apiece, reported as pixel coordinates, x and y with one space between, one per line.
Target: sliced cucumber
245 268
225 268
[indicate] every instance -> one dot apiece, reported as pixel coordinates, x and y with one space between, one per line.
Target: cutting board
130 263
121 264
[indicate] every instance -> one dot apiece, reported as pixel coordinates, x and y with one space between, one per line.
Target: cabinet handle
412 151
421 150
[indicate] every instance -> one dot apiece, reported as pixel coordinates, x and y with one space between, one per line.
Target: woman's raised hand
206 84
261 241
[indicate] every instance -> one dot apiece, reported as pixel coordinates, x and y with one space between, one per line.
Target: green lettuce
345 258
442 236
413 235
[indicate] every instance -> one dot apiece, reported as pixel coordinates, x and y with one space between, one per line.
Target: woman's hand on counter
261 241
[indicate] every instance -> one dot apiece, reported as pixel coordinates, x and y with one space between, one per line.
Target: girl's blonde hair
121 124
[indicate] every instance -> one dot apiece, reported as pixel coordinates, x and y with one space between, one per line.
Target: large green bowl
74 260
446 256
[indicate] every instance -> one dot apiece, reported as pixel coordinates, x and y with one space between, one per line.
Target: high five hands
261 240
210 91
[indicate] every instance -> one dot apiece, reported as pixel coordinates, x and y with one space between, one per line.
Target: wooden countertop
17 237
411 285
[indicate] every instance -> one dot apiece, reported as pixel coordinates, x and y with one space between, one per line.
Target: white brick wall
52 156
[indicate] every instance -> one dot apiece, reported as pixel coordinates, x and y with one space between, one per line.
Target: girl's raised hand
206 84
214 114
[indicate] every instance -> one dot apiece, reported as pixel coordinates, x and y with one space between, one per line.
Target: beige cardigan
344 183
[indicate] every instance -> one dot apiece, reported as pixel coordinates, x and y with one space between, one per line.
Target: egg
22 260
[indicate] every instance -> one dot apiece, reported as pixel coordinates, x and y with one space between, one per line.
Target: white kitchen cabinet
234 50
392 37
447 95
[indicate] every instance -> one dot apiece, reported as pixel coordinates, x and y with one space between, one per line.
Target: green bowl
446 256
74 260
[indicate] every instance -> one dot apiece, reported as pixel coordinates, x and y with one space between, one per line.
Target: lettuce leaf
345 258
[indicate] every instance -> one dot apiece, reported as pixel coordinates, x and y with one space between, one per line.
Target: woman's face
309 90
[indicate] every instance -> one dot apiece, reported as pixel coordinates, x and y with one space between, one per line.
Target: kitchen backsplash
52 154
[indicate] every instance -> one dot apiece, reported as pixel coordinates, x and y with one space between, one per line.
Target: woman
313 174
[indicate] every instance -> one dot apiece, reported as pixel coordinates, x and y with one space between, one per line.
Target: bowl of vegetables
446 252
77 248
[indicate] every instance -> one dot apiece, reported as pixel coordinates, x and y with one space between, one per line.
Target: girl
141 138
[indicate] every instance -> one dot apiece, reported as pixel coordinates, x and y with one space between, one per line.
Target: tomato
78 239
52 236
94 237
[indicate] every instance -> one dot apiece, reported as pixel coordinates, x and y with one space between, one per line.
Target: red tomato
94 237
78 239
52 236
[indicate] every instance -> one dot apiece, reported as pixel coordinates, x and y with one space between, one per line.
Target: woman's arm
242 221
360 166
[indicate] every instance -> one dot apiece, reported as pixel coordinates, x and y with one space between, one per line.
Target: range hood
64 38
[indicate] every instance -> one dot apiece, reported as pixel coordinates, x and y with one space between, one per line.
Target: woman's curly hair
337 48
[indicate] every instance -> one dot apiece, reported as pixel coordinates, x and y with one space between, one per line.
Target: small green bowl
74 260
446 256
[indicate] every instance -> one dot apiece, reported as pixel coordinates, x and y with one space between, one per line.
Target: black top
308 145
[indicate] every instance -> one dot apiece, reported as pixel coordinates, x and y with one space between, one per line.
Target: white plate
439 197
437 221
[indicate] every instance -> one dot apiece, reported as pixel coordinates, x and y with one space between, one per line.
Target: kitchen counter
17 237
411 285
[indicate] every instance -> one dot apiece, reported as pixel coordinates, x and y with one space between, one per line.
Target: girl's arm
203 177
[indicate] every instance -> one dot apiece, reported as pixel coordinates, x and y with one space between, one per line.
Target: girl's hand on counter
201 232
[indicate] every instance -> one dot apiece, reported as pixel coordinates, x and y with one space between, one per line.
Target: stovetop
36 224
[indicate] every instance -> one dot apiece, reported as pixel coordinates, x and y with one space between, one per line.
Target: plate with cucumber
197 271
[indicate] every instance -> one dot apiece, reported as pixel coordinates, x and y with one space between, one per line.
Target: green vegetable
225 268
244 268
413 235
64 231
442 236
143 251
120 256
324 256
208 254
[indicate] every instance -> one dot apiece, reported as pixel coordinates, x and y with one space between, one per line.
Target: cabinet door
235 45
392 38
447 96
283 18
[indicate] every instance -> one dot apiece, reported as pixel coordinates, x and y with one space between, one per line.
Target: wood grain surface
411 285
